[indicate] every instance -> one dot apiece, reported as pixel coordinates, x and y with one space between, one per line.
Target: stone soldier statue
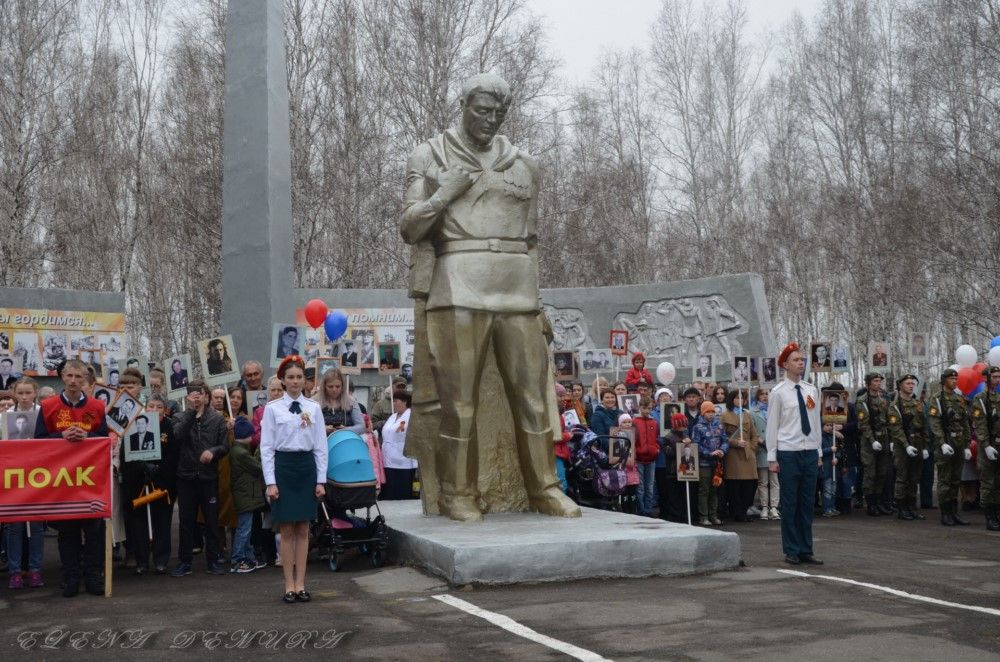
949 421
986 417
471 204
908 432
876 456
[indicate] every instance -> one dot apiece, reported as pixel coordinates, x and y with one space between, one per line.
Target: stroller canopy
349 461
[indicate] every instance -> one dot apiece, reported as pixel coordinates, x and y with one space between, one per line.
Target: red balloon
315 313
968 380
979 367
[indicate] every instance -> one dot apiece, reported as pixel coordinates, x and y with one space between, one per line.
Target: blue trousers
798 471
647 484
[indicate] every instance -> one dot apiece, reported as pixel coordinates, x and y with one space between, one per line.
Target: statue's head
485 99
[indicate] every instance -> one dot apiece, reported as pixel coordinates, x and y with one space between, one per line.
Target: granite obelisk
257 282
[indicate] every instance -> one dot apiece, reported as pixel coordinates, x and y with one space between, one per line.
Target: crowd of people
241 476
235 472
884 458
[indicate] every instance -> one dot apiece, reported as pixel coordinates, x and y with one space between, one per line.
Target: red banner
55 479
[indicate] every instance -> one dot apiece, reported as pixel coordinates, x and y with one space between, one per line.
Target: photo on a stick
219 364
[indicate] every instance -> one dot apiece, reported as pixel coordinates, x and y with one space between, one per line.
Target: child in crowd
25 393
246 482
647 448
712 447
638 373
626 430
565 401
827 475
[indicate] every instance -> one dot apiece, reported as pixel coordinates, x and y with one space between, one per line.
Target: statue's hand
454 182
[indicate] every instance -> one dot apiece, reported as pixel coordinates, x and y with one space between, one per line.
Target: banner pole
149 514
687 491
109 543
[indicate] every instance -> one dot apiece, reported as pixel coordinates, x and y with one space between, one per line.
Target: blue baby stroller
350 486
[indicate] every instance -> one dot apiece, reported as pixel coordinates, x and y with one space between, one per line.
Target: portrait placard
629 404
256 400
365 341
768 369
916 343
819 357
627 439
741 369
286 340
141 364
142 439
565 363
219 364
879 356
618 340
834 409
570 418
687 461
388 358
324 364
178 369
124 408
667 410
18 424
596 360
106 394
704 367
841 357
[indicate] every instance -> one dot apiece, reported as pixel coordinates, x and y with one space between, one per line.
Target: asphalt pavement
931 593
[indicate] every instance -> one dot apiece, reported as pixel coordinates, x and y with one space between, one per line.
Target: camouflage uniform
986 418
907 429
873 416
949 421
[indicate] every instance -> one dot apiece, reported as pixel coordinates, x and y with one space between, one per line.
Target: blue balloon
335 324
976 391
995 342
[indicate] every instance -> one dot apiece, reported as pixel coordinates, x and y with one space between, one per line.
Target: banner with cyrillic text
55 479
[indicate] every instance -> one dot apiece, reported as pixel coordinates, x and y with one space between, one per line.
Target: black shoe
161 569
289 597
4 563
94 586
70 588
303 596
904 513
883 508
809 559
791 559
946 518
959 520
215 569
873 510
141 570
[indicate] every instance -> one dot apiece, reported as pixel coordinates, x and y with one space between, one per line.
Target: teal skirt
295 476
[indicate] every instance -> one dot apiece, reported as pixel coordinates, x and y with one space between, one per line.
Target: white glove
911 451
991 453
947 450
876 446
892 446
926 453
968 453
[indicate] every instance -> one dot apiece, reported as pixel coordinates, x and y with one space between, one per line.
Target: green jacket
246 478
948 412
873 421
906 423
986 416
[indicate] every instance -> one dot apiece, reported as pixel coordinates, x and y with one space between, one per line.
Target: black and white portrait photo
364 344
19 424
178 369
142 439
741 369
349 358
769 368
122 411
219 364
704 367
819 357
286 340
565 364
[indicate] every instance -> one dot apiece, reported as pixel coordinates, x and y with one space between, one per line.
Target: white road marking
514 627
897 592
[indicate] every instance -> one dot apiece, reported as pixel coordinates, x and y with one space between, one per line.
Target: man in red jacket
75 417
647 447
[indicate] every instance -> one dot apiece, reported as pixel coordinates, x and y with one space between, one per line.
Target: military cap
948 372
870 376
991 370
908 375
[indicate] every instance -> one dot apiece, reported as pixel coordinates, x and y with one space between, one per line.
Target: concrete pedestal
508 548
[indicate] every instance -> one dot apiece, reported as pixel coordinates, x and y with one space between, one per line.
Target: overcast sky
580 29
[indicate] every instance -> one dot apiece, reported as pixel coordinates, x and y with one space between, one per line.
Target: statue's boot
537 458
458 473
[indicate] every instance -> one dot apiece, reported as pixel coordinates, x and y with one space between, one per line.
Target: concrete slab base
508 548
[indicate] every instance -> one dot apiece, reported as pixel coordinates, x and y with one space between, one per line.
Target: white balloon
955 367
966 356
665 372
994 356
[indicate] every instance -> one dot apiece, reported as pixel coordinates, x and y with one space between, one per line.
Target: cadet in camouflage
876 457
986 418
908 432
949 419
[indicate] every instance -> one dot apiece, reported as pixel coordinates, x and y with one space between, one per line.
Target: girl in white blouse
293 454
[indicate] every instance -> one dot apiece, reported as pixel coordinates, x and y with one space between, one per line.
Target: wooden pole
109 543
